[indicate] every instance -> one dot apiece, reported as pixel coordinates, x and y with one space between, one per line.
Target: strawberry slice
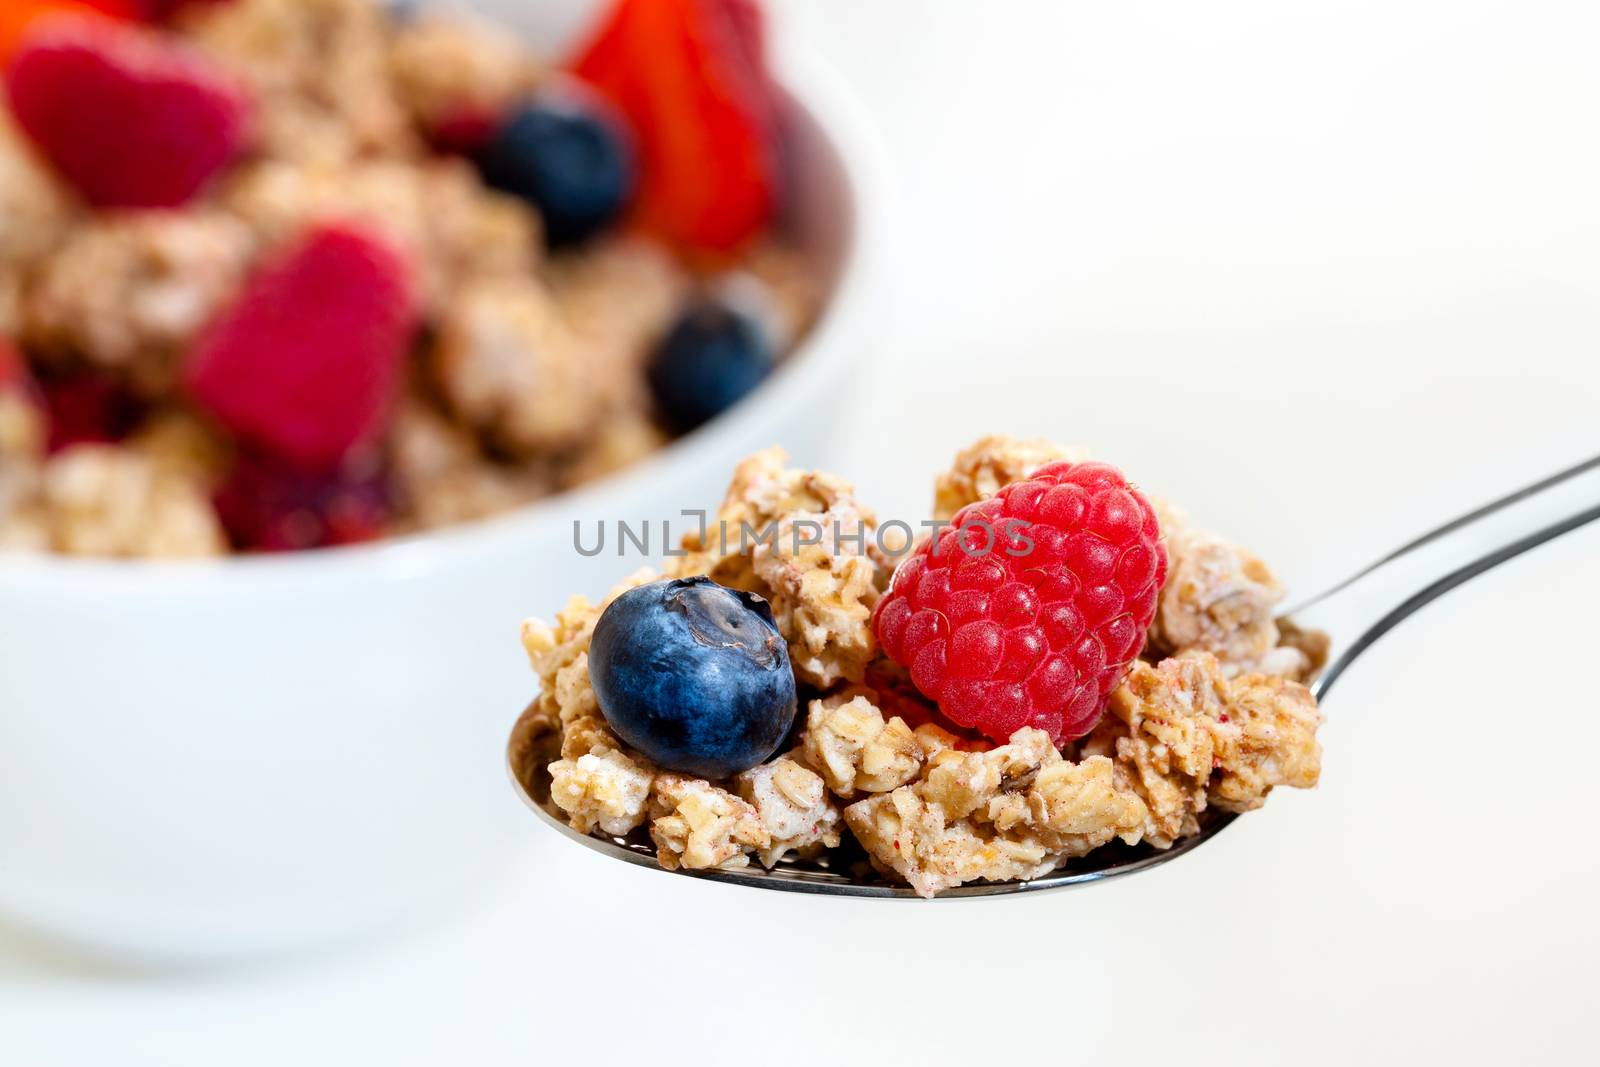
131 118
305 363
690 78
17 15
750 30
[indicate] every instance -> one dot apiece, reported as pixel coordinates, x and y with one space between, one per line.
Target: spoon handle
1358 611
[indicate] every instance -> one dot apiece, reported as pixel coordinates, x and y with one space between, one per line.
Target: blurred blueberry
568 157
713 356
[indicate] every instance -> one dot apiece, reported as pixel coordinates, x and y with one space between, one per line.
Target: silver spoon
1355 614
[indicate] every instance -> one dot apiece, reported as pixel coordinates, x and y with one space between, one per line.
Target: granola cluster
96 500
125 293
1221 600
802 540
927 806
528 374
36 213
990 464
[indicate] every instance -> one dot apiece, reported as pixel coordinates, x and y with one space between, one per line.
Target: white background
1319 271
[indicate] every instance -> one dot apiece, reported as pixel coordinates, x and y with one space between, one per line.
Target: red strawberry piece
306 361
87 408
689 79
16 16
267 505
128 10
129 117
1028 610
749 24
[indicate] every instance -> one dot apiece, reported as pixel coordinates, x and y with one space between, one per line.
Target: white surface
1339 262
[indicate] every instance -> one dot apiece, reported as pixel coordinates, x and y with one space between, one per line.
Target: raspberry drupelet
1028 609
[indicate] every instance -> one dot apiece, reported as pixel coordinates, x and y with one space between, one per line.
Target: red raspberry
1027 610
269 506
689 77
129 117
306 361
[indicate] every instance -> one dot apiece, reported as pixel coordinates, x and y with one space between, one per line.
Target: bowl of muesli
305 389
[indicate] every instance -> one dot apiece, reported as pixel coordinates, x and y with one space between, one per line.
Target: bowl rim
821 95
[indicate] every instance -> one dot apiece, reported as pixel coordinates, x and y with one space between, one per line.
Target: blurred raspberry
306 362
130 117
1029 608
267 505
87 408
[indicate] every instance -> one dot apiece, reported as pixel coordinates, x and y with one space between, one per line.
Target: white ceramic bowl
209 760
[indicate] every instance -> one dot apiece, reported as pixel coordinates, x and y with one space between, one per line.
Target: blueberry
569 159
693 675
712 358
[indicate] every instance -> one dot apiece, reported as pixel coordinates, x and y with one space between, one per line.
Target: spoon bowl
844 871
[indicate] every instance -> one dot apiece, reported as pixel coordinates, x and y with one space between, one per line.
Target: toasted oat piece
442 476
110 500
22 429
802 540
1221 600
909 837
446 66
793 805
127 292
318 71
625 438
1016 811
176 439
22 443
622 291
991 463
856 750
1184 736
696 825
1271 740
606 790
36 213
511 365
